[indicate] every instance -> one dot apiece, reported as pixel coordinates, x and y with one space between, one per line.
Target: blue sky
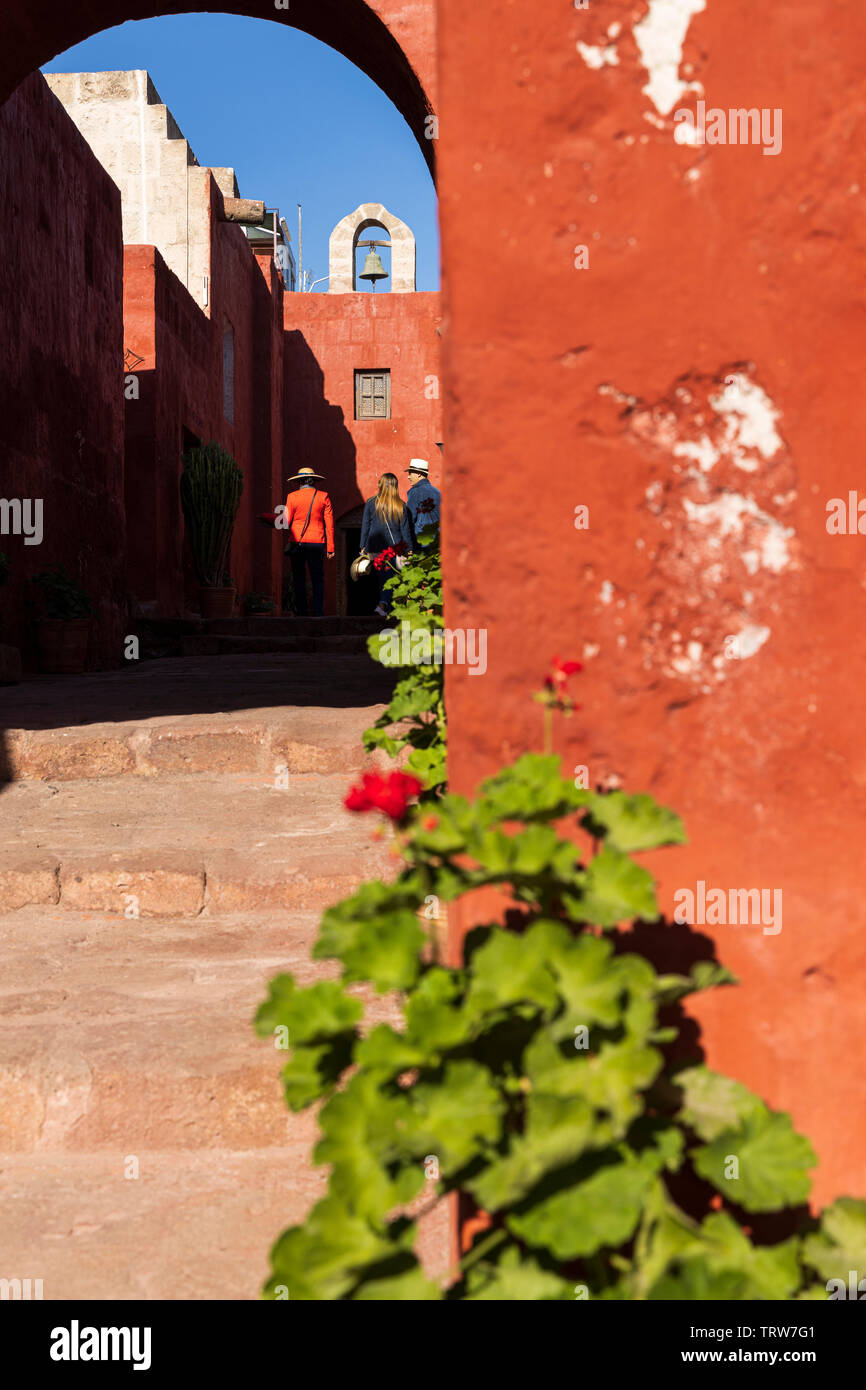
297 121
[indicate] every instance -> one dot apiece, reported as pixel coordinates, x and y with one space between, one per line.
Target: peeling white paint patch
606 389
727 515
596 57
660 37
750 639
702 451
750 421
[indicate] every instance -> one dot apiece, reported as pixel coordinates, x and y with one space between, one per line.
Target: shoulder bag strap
309 514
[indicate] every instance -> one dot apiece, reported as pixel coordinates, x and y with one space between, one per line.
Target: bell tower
345 239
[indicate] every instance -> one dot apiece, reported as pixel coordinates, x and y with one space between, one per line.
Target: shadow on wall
315 431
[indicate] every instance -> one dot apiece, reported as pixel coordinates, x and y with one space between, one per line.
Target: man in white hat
423 500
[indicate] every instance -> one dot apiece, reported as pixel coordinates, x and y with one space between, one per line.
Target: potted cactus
210 492
63 634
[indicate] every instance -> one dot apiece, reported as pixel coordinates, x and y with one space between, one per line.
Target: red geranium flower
385 558
558 678
390 795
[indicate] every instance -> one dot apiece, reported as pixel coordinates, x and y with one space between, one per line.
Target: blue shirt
424 502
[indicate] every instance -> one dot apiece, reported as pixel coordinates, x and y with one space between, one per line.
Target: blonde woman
386 532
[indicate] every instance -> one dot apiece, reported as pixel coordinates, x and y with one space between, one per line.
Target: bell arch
344 240
403 67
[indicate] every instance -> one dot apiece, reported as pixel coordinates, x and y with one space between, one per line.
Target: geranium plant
545 1077
415 716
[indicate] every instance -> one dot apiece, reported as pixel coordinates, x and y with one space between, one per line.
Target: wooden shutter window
373 395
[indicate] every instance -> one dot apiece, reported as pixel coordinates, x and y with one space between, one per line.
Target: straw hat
305 475
418 466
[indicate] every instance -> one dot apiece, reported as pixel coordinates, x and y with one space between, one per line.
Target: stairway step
232 714
211 644
183 843
143 1038
188 746
161 637
191 1226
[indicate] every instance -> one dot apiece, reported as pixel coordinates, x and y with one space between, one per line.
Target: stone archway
396 48
344 240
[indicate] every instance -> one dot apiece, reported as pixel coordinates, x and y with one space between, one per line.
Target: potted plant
63 634
210 492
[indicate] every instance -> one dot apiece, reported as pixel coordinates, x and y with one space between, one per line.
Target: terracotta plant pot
62 645
217 603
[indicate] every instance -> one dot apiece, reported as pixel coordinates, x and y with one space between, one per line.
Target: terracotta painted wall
180 384
327 338
710 267
61 348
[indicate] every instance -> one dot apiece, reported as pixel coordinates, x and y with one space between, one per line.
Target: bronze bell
373 268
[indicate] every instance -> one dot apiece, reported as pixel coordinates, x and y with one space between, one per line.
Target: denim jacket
424 502
375 535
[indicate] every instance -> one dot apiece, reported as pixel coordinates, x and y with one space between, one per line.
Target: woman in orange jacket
310 523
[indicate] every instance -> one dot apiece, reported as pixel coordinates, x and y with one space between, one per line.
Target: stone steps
211 644
193 745
145 1147
189 637
239 714
173 834
193 1225
176 845
128 1035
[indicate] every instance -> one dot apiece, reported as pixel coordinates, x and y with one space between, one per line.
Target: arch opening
404 70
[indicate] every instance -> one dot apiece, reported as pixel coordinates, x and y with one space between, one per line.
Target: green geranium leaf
600 1207
840 1245
772 1163
632 823
455 1115
557 1131
308 1012
713 1103
363 1130
515 1278
704 974
314 1069
386 1050
510 969
435 1021
322 1259
385 951
410 1286
615 889
533 788
591 981
723 1258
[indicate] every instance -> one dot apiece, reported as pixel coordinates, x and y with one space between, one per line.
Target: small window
228 372
372 395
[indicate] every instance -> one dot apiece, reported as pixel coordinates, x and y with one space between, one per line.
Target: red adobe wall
329 337
596 387
61 349
180 385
